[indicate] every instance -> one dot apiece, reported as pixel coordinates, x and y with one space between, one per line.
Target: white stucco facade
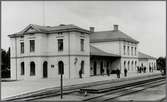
46 50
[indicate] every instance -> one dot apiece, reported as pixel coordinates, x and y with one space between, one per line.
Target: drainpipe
16 55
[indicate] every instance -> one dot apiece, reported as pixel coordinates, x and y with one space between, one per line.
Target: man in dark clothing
118 73
80 73
125 72
138 69
144 69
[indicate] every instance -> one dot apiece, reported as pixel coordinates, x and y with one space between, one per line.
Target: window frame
124 48
32 71
82 44
32 46
60 41
21 47
22 68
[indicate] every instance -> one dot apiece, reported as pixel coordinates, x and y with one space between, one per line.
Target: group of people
141 69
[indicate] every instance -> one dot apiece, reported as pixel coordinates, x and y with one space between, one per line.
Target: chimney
92 29
115 27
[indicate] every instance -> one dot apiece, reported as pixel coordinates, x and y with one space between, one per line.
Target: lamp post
61 72
61 80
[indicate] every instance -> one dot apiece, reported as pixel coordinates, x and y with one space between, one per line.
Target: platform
14 88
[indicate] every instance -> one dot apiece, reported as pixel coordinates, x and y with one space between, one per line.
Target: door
94 68
101 68
45 69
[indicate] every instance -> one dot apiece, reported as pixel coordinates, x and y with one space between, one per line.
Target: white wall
46 49
110 47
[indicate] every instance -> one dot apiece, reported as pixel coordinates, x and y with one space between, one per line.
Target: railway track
71 90
110 96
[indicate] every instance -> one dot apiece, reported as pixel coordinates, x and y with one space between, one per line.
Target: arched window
32 68
22 68
82 66
45 69
128 65
61 67
135 64
132 65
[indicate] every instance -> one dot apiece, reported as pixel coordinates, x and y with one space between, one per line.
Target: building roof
144 56
48 29
97 52
107 36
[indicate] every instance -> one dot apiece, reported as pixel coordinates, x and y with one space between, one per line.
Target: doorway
94 68
45 69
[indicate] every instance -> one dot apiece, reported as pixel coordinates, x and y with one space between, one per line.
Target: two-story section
42 51
122 47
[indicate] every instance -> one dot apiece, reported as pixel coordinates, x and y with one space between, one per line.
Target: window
61 67
82 66
22 68
128 50
22 47
124 49
60 44
32 68
82 44
132 51
32 45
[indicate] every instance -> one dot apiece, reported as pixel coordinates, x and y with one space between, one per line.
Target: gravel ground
150 95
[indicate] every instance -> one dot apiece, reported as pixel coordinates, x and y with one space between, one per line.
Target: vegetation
5 63
161 64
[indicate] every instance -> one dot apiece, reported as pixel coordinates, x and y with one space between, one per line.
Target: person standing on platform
125 72
145 69
80 73
118 73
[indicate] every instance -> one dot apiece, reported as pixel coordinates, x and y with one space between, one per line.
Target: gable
30 30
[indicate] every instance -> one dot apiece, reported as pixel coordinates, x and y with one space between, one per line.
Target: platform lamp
61 72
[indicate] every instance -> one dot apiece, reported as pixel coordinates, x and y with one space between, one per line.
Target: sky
144 21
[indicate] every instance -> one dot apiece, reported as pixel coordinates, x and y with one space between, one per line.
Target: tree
161 63
5 63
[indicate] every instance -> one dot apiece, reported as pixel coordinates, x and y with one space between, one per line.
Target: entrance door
45 69
94 68
101 68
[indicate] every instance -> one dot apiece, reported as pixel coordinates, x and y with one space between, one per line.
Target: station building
42 51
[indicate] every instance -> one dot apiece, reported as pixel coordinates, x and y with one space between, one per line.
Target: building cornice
49 56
